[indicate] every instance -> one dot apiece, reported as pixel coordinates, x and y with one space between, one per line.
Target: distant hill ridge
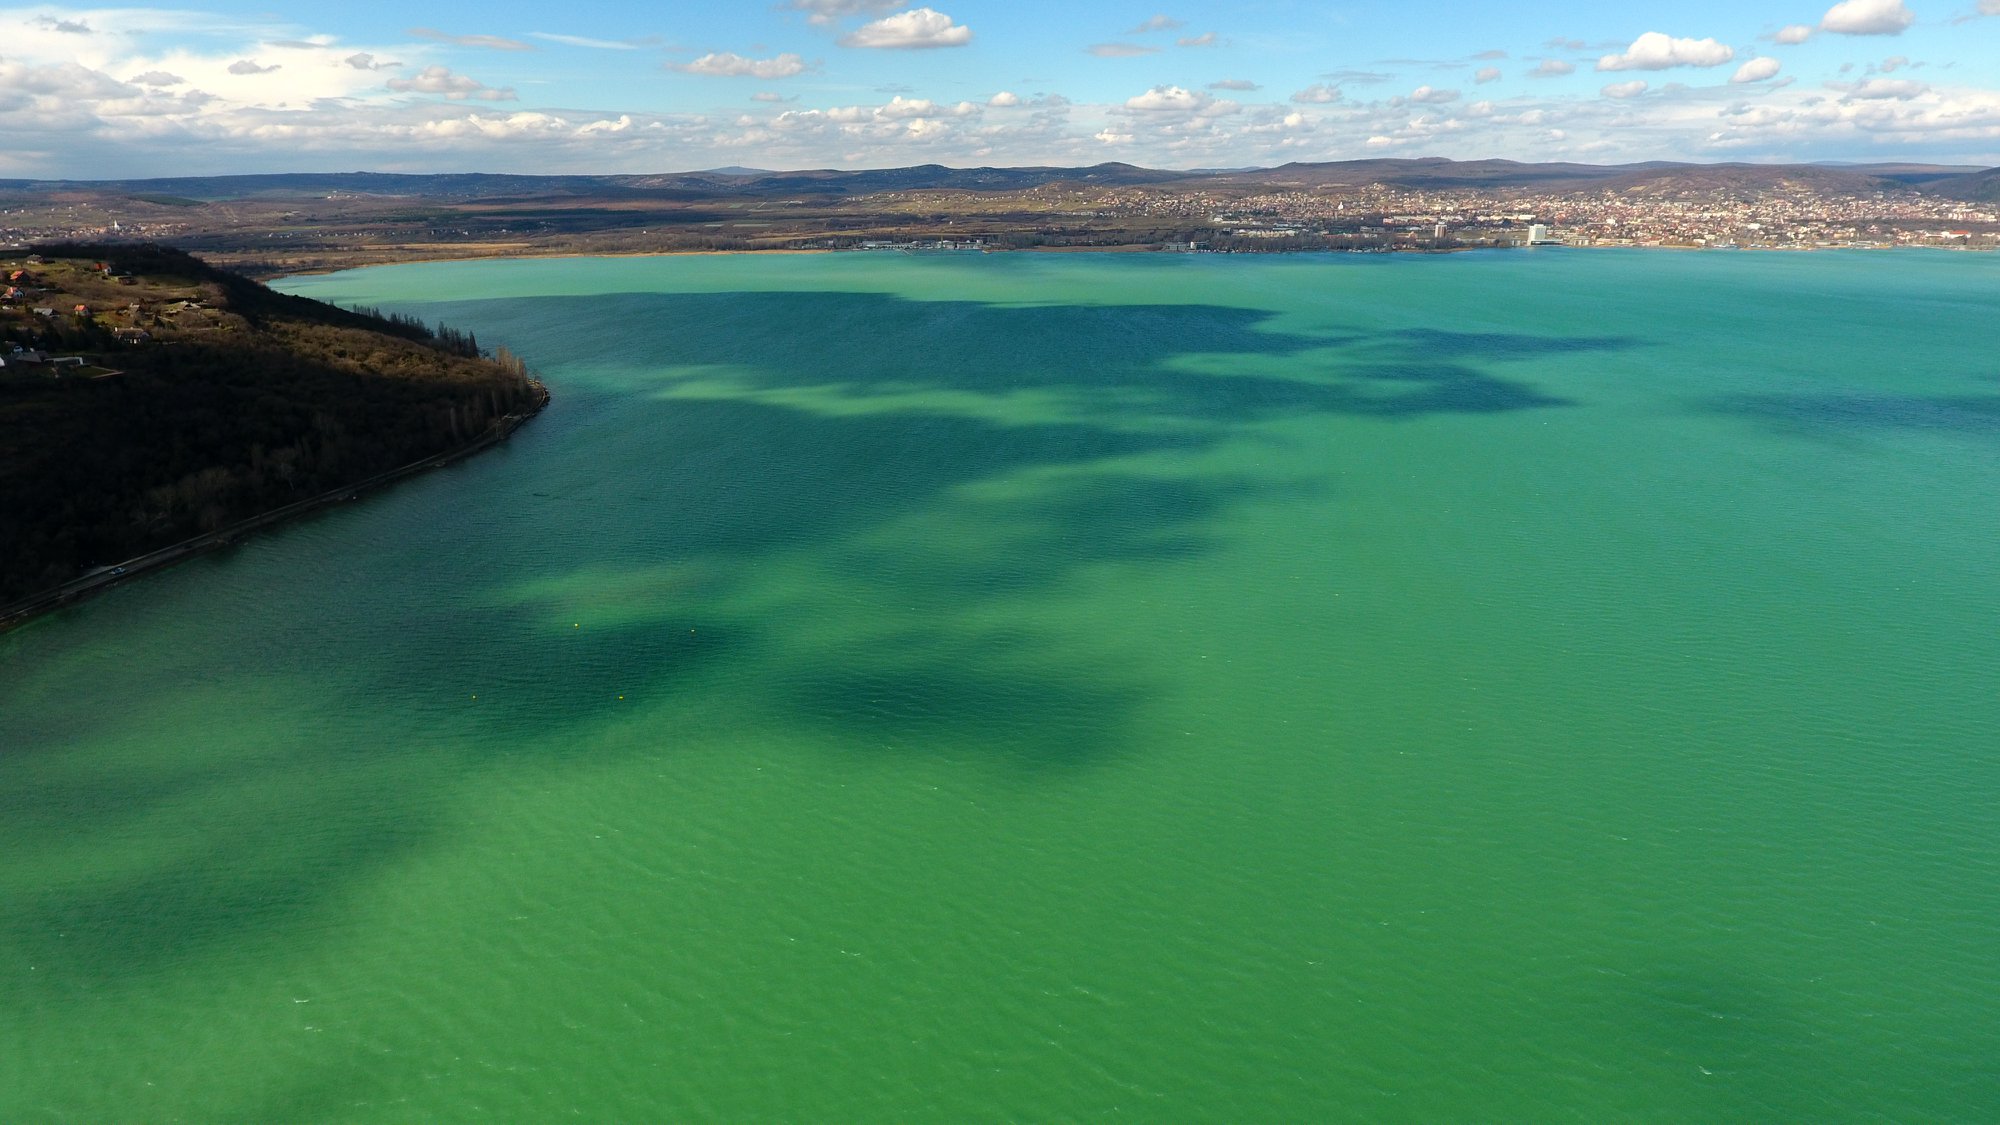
1422 173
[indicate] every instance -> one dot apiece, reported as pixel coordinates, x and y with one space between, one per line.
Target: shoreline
1116 248
18 613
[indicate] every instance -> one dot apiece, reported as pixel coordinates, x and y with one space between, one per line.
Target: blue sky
616 86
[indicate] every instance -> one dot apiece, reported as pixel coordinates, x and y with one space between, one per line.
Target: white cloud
915 29
1120 50
1867 17
362 60
513 126
1318 93
66 27
1205 39
726 64
771 97
1894 63
1657 51
1756 70
1169 98
1795 33
1244 84
584 41
1004 100
900 107
157 78
1630 89
1427 95
833 11
1486 74
250 66
457 87
830 11
1158 23
490 42
64 111
1552 68
1989 7
1875 89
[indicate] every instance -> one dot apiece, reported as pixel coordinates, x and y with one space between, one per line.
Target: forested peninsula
147 398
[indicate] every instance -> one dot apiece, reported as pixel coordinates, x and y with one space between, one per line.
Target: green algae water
1552 687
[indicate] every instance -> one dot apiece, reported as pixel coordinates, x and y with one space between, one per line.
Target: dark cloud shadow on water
728 475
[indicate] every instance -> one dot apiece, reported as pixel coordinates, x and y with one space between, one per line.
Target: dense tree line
276 400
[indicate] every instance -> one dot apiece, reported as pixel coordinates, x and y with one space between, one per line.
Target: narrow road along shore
16 614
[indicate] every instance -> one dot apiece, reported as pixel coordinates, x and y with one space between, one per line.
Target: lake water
1552 686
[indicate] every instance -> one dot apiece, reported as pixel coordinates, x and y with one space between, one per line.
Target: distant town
289 223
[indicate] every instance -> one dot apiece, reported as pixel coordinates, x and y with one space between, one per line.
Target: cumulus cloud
1657 51
1552 68
1867 17
1318 93
362 60
1205 39
830 11
1243 84
457 87
726 64
157 78
1158 23
1427 95
1120 50
1894 63
1756 70
1169 99
67 27
916 29
1794 33
68 107
1630 89
489 42
1004 100
1486 74
249 66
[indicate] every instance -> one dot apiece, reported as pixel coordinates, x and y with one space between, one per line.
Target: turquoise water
1503 687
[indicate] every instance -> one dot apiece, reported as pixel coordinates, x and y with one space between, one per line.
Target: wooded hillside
146 397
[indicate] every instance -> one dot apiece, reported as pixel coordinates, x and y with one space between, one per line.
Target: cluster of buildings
43 316
1792 219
